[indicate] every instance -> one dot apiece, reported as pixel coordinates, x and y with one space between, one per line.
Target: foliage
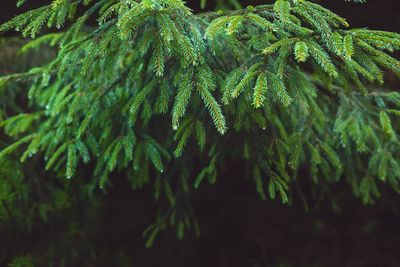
165 97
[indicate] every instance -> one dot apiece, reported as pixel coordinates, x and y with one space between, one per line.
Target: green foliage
289 78
23 261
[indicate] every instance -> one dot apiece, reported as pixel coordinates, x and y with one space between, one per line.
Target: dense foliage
165 98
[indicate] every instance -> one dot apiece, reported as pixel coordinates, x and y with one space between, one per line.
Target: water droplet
161 171
264 128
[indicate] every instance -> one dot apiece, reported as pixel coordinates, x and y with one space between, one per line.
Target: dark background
238 229
375 14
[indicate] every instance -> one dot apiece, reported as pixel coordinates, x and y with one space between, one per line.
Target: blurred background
238 229
379 14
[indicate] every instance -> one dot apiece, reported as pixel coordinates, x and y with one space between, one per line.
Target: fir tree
158 95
